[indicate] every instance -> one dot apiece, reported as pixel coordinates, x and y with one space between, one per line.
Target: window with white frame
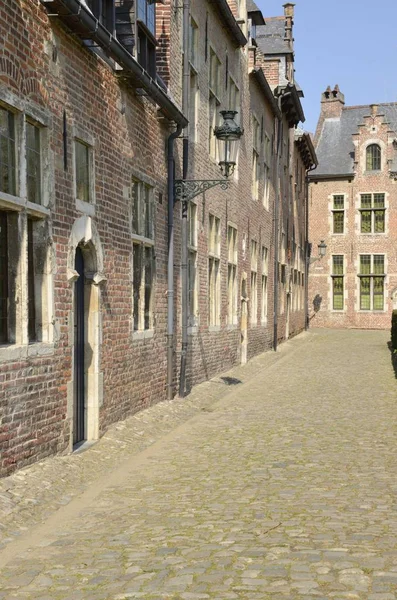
25 312
142 228
194 45
255 157
373 213
264 290
214 102
192 264
337 277
234 98
373 157
254 282
266 170
232 288
338 213
214 252
372 281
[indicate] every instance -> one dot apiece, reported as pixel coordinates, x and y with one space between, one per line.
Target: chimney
374 109
332 103
289 22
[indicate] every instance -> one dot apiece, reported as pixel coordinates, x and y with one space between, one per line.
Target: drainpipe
276 227
307 245
170 290
184 225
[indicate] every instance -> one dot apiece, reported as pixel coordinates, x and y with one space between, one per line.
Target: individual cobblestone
284 487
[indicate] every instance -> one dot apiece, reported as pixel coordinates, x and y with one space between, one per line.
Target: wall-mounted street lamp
322 250
228 137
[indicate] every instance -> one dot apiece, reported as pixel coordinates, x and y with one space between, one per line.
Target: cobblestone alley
281 486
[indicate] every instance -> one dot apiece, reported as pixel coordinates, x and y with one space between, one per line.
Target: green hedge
394 329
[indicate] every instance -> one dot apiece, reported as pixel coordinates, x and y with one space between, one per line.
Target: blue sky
349 42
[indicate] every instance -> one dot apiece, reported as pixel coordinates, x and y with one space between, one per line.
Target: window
373 158
265 269
214 270
3 278
338 213
337 282
255 157
254 282
234 98
7 152
194 47
83 171
214 102
142 255
33 163
372 278
266 171
146 31
232 274
192 264
104 11
372 213
194 107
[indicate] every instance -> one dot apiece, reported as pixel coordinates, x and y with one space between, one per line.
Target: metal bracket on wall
186 189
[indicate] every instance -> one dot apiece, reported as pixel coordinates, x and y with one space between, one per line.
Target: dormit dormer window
104 11
373 158
146 31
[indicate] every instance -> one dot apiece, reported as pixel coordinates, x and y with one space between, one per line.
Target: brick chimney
332 103
289 22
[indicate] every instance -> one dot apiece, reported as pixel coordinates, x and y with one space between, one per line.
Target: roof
266 89
335 149
306 149
255 13
232 26
271 37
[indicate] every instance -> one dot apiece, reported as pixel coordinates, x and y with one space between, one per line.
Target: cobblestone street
281 486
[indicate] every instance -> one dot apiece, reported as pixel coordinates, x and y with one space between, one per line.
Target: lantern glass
228 136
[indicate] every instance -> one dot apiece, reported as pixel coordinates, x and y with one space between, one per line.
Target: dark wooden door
79 342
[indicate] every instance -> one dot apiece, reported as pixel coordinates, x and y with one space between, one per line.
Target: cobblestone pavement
283 486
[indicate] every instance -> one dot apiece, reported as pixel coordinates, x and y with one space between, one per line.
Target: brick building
352 207
112 297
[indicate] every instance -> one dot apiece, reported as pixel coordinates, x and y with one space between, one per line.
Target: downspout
184 225
170 283
276 227
307 246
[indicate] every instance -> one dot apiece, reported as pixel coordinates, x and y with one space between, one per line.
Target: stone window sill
13 352
147 334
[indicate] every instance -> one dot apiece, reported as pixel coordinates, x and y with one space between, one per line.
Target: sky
349 42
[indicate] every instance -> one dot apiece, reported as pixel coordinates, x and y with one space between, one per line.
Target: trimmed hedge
394 329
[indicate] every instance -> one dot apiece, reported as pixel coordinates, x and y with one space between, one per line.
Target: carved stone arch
11 72
85 234
34 89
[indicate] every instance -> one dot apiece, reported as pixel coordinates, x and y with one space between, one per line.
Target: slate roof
335 149
270 37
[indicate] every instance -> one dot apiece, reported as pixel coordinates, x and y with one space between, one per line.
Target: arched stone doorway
85 262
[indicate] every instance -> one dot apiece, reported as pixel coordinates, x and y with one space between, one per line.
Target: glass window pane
365 264
365 290
373 162
339 202
148 286
7 152
339 218
379 264
366 217
82 171
379 200
379 221
337 293
3 278
366 200
137 278
337 265
378 283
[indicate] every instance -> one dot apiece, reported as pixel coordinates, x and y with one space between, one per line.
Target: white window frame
254 283
264 284
193 314
214 275
232 282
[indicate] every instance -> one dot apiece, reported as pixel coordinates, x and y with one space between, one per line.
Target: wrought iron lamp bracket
187 189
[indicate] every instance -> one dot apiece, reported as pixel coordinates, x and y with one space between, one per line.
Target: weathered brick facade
352 207
79 103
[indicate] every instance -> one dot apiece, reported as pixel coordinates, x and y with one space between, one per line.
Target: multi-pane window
33 163
32 284
372 281
255 157
254 282
194 45
234 98
232 274
214 102
104 11
3 278
146 31
7 152
372 213
265 269
266 170
192 264
337 282
142 255
194 106
338 213
373 158
83 171
214 252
